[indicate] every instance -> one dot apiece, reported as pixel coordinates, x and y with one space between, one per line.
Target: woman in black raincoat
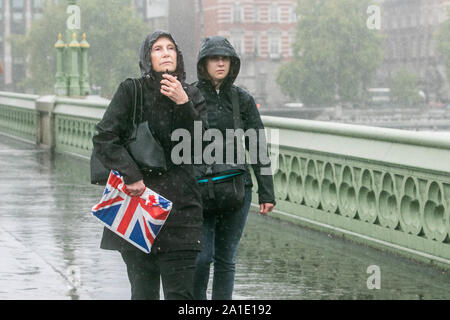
169 104
217 68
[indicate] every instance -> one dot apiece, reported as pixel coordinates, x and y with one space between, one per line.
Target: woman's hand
135 189
264 208
172 88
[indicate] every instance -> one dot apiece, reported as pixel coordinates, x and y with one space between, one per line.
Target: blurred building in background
15 18
409 26
154 12
262 31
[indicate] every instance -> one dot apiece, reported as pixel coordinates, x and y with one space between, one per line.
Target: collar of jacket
208 84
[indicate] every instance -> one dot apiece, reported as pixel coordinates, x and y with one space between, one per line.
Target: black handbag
222 185
142 146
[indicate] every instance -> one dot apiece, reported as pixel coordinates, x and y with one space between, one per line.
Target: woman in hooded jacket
218 66
168 104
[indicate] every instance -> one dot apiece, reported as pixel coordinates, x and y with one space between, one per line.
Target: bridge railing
74 123
18 115
384 187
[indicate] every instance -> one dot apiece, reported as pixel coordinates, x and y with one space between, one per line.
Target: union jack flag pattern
136 219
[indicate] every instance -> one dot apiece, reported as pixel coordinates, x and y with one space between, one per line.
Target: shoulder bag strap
141 90
133 134
236 108
141 106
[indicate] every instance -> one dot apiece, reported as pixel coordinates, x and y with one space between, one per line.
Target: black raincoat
220 108
183 228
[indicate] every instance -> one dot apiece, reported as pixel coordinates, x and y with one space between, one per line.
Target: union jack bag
136 219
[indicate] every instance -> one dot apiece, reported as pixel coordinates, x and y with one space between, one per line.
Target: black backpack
222 185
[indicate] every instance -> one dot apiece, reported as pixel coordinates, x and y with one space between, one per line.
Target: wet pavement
49 246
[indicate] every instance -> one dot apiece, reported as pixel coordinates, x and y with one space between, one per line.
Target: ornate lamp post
84 80
74 75
60 85
71 55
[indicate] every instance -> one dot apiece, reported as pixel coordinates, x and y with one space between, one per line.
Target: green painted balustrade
75 121
383 187
387 187
18 115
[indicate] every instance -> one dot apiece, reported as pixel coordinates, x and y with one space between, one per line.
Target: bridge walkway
49 246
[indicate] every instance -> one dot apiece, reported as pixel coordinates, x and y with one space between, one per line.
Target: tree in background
336 54
113 30
405 88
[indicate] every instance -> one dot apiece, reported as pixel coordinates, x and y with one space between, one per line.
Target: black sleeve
113 130
192 113
261 167
193 110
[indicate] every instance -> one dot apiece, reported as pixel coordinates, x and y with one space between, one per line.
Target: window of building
37 4
259 14
274 13
293 14
424 47
430 17
422 19
251 14
419 46
18 60
403 22
413 47
395 21
17 4
17 16
237 12
408 47
394 49
36 9
404 48
409 21
237 41
140 8
274 45
257 42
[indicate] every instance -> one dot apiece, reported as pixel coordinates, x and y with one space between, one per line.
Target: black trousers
176 270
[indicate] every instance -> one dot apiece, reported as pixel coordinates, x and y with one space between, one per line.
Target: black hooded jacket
182 230
220 107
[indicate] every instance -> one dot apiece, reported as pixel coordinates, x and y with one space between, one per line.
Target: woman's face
218 67
164 55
